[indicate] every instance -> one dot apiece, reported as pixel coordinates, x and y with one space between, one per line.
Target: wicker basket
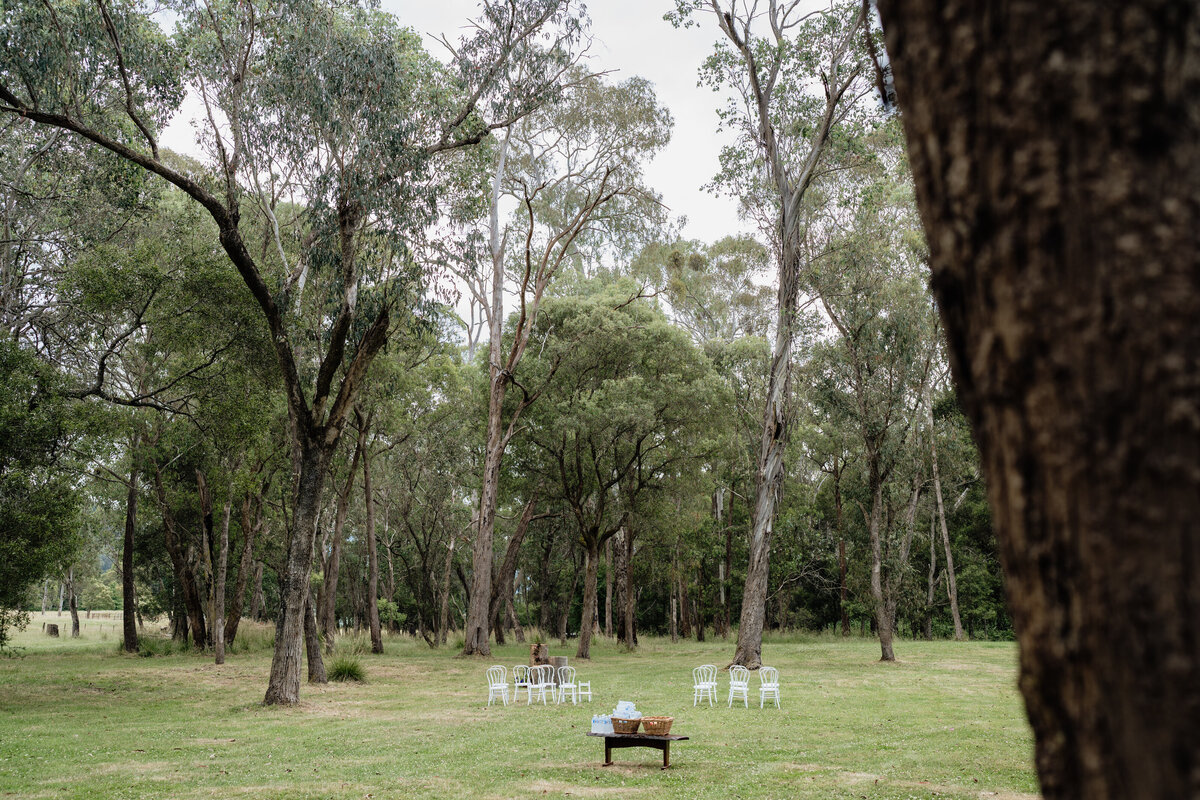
621 725
657 726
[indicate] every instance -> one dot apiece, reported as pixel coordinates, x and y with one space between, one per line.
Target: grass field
79 721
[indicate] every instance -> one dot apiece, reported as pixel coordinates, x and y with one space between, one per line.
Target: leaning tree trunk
73 602
769 475
951 583
1056 154
128 600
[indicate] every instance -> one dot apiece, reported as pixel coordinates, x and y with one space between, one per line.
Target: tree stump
539 654
51 629
556 662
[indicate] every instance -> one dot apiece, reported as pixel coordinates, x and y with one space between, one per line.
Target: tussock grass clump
253 637
345 668
151 646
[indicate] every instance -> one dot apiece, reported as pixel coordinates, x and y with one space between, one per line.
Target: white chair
739 685
704 684
541 681
566 683
585 690
520 680
768 678
497 684
701 686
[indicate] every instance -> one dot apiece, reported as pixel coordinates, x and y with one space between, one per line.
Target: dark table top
648 736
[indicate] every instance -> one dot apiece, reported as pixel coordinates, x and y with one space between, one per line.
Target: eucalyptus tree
573 174
616 420
333 104
770 61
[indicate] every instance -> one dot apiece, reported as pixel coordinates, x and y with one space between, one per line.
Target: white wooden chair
704 684
585 690
497 683
520 680
541 681
768 679
566 683
739 685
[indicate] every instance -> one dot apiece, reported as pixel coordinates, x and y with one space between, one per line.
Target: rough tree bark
1056 153
73 602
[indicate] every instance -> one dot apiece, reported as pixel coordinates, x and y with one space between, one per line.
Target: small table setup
620 730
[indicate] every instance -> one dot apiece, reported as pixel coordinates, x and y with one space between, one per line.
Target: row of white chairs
704 685
537 680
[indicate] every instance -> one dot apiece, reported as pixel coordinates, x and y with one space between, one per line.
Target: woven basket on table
657 726
622 725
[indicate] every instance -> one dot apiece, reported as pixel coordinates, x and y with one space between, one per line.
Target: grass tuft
347 669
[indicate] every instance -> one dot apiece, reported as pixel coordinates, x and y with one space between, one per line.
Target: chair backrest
540 675
739 674
497 675
521 674
710 672
768 676
566 675
698 675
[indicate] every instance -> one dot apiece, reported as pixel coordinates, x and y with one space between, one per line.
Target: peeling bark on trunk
1055 153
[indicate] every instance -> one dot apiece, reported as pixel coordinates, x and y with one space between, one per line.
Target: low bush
347 669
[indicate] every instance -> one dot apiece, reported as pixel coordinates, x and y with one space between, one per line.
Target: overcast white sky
630 38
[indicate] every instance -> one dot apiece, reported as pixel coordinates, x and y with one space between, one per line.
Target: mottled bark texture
1056 153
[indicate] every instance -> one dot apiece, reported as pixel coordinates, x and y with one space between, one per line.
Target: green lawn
79 721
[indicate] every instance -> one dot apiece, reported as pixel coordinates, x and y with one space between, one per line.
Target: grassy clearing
79 721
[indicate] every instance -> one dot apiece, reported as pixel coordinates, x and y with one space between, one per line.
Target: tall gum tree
340 101
573 171
1056 153
793 78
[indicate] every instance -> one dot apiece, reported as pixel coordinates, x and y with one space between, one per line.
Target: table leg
666 754
607 754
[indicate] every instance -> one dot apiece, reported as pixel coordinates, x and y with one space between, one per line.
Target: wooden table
615 741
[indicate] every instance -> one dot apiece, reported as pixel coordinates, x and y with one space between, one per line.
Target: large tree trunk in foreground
1056 153
128 601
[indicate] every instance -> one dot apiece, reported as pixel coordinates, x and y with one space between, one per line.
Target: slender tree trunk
329 589
183 570
249 532
951 584
372 550
207 543
45 595
930 596
514 623
628 594
883 625
128 600
502 585
61 595
591 570
1054 150
312 643
73 602
257 600
608 587
218 619
841 535
444 616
